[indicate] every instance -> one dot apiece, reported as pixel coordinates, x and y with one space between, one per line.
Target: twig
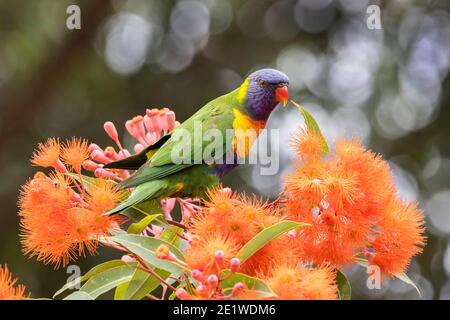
178 224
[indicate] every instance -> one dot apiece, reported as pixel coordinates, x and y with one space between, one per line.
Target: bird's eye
263 83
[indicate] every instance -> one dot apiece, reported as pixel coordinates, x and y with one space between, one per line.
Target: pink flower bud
235 264
170 116
220 257
76 198
167 206
138 148
111 130
213 281
198 275
90 165
104 174
152 137
183 294
93 147
127 258
237 288
138 123
60 166
156 122
148 123
111 153
291 234
99 156
124 153
156 230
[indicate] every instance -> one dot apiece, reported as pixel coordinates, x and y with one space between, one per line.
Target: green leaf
311 124
79 295
345 291
265 236
138 227
402 276
261 288
145 248
119 294
94 271
170 235
89 182
138 200
143 283
107 280
406 279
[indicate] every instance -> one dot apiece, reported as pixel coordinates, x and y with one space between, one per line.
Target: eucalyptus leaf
119 294
170 235
145 248
89 182
94 271
138 227
261 288
345 290
107 280
402 276
143 283
406 279
265 236
311 124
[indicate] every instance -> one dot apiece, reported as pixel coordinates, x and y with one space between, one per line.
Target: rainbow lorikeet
158 176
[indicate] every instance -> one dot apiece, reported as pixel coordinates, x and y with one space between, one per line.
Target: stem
74 181
149 270
153 273
164 290
178 224
81 182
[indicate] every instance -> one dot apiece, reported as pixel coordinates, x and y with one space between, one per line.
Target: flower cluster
226 223
61 212
146 130
345 199
351 202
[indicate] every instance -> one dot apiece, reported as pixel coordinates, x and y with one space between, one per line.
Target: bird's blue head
262 91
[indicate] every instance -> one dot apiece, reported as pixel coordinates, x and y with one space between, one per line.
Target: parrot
158 176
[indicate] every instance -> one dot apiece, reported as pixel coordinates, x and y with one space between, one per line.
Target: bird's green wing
206 130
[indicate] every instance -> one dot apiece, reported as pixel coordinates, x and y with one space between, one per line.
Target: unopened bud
90 165
111 130
183 294
104 174
60 166
98 155
237 288
235 264
213 281
162 252
198 275
220 257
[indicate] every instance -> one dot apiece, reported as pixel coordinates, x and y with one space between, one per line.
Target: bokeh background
388 86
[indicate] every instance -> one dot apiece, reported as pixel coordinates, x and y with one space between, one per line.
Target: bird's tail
134 162
146 191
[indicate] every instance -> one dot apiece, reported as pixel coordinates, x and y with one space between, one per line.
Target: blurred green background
389 86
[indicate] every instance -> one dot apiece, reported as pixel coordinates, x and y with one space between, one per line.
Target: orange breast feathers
246 131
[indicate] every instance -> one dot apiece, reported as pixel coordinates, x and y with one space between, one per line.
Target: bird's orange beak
282 95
